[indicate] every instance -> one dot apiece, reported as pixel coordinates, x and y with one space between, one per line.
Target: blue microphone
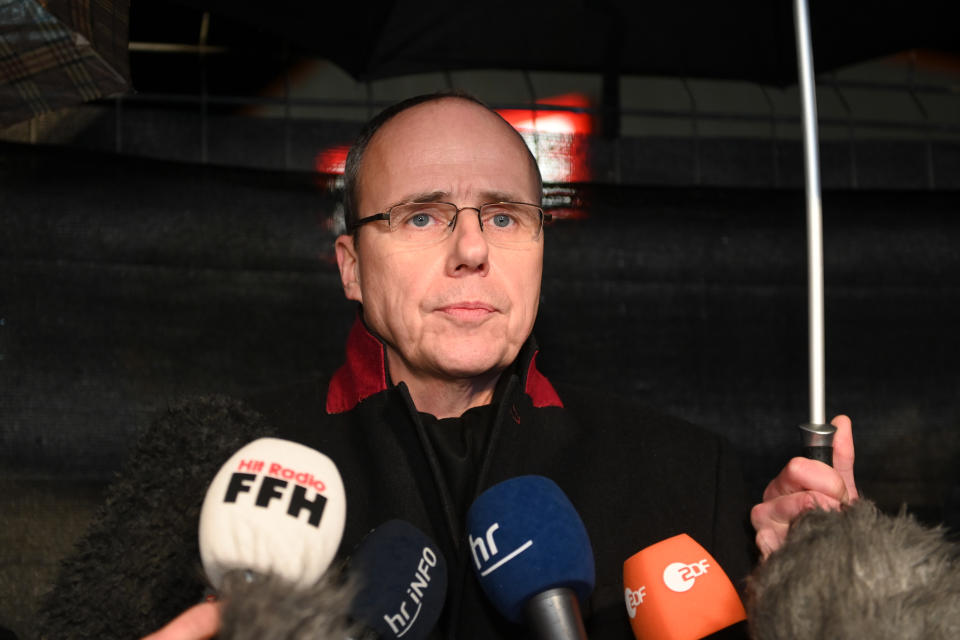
532 555
401 581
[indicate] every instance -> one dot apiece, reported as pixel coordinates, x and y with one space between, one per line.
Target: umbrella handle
817 440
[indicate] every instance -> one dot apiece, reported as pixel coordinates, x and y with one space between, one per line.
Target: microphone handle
817 441
554 614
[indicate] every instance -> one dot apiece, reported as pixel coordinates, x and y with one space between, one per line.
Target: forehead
450 146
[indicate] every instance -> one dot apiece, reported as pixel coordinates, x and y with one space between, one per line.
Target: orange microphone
675 590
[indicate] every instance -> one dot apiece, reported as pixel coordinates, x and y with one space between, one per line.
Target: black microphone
401 582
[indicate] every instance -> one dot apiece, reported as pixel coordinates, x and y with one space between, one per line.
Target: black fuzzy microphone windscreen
137 567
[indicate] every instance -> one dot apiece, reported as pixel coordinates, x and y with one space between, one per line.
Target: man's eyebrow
498 196
425 196
445 196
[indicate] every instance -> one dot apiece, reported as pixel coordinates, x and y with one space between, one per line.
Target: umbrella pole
817 435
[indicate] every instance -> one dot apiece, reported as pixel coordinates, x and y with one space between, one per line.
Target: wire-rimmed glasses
424 223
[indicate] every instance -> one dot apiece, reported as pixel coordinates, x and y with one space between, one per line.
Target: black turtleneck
459 444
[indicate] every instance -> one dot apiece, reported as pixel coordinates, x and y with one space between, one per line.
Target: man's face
460 308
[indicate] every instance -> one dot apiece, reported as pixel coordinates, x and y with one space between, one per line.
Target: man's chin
472 365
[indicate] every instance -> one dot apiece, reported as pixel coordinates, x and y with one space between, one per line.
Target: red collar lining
541 392
362 375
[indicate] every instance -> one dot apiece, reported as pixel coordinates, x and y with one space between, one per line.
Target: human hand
199 622
803 484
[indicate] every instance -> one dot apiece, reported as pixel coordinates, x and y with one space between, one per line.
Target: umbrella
748 40
57 53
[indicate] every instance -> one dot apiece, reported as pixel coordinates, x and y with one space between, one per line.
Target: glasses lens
421 221
511 222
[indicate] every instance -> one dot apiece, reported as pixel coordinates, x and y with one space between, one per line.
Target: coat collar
364 373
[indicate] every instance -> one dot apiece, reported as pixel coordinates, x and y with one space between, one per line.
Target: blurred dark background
171 232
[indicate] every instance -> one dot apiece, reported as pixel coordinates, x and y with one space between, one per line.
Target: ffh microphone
275 508
401 581
675 590
532 555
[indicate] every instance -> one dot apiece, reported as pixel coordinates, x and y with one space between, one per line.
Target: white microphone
275 508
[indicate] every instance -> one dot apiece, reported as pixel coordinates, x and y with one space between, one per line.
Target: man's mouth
468 311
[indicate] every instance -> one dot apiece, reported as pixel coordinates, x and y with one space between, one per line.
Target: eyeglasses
424 223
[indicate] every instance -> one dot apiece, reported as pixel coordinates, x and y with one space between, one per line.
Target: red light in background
561 122
557 138
331 161
568 213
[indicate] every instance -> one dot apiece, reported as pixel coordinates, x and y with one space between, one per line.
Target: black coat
635 477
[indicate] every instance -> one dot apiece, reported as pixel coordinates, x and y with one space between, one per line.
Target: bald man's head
353 173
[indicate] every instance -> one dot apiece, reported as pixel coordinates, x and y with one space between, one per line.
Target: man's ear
349 265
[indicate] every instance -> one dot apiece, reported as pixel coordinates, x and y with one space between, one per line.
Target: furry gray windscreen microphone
258 607
857 573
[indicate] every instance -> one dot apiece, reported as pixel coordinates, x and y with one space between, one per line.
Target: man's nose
469 252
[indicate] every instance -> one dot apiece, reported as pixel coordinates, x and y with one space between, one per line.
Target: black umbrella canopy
747 40
624 37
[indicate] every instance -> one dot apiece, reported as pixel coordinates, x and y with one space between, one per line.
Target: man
440 396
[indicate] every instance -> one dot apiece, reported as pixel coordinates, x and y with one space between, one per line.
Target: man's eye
501 220
420 220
